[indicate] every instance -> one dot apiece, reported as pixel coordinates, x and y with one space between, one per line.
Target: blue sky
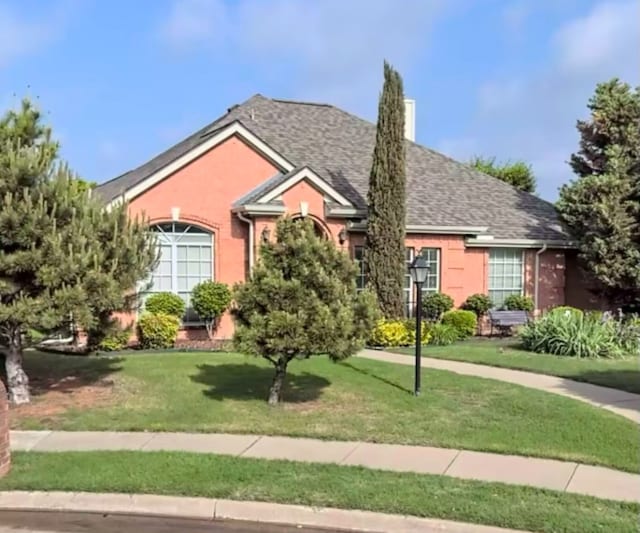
122 80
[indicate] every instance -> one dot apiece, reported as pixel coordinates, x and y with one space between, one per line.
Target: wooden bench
505 320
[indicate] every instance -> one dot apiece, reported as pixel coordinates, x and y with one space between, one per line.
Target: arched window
186 259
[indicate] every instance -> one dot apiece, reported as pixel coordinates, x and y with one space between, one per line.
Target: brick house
212 198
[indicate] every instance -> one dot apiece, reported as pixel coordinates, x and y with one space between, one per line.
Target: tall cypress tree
386 218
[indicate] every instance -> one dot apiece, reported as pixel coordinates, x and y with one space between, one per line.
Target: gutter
251 230
536 282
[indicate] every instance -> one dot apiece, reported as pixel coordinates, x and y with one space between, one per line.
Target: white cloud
21 35
333 49
533 117
608 34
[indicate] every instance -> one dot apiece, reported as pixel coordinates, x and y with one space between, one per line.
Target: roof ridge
301 102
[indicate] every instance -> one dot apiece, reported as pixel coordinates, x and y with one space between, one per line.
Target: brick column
5 453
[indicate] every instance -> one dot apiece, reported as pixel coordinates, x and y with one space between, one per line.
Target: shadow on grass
65 373
623 379
376 377
250 382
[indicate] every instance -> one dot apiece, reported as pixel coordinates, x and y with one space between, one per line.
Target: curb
212 509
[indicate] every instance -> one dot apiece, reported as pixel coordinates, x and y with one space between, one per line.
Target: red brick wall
5 454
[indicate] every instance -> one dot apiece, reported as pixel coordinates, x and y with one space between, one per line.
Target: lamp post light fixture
418 270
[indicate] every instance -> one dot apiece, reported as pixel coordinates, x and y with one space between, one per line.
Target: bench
505 320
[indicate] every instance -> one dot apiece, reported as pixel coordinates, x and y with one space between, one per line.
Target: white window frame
408 292
362 274
431 290
176 239
506 291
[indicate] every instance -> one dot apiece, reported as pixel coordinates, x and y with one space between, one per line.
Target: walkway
620 402
543 473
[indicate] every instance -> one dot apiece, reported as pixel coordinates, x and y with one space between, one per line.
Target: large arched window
186 259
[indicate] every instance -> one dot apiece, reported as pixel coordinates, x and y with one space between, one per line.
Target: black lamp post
418 270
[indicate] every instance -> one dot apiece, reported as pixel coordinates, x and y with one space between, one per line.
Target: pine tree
386 218
54 267
129 253
518 173
301 301
602 206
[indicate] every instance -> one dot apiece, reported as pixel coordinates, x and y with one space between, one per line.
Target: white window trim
174 268
523 258
438 264
309 175
235 128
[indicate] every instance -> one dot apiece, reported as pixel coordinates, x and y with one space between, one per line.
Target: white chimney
410 119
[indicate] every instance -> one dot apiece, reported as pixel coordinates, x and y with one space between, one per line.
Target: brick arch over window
186 257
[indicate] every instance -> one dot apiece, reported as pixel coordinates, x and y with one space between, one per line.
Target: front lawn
320 485
623 374
358 399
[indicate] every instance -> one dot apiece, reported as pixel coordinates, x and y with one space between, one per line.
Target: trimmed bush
442 334
165 303
465 322
410 324
516 302
390 333
210 300
116 339
158 331
572 334
435 304
478 303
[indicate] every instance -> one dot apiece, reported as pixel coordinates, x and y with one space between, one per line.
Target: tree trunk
17 380
275 392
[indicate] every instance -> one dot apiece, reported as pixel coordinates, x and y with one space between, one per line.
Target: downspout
536 281
250 222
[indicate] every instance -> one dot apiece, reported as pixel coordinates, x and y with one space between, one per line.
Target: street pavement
62 522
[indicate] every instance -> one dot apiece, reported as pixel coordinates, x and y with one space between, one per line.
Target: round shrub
410 324
478 304
158 330
210 299
389 333
115 340
165 303
465 322
435 304
442 334
516 302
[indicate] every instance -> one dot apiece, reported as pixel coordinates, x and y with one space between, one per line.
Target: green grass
359 399
319 485
623 374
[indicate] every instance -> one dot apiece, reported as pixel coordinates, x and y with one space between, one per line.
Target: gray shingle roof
338 146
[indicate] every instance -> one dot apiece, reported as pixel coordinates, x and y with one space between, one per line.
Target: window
409 254
361 277
409 304
506 273
186 259
432 283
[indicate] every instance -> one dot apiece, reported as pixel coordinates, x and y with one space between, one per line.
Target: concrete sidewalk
542 473
213 511
620 402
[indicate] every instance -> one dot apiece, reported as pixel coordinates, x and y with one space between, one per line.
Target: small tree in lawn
301 301
53 262
210 299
